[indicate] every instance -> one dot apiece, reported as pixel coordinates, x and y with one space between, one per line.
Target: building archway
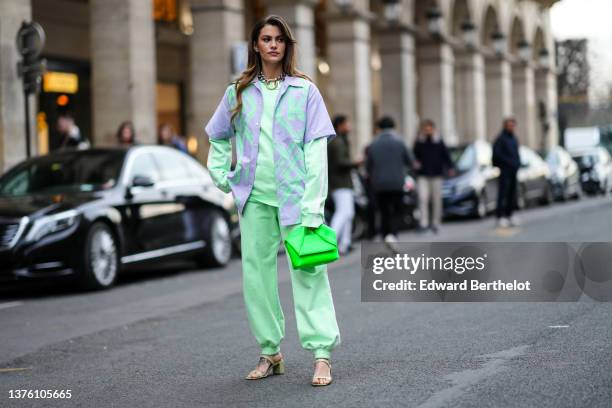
435 69
523 84
498 72
469 81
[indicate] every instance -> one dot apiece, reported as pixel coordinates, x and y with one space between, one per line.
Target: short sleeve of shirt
220 126
318 123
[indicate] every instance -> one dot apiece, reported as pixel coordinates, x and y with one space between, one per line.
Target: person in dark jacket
432 161
387 162
340 183
506 157
70 134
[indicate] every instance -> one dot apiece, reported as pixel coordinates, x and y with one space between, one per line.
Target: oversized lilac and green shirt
300 117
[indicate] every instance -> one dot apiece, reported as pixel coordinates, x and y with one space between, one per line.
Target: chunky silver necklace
271 83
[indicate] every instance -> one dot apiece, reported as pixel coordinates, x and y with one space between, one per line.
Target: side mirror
142 181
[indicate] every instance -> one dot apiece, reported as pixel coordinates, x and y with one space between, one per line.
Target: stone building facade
466 64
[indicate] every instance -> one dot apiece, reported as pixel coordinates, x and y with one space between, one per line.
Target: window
173 165
145 166
164 10
65 172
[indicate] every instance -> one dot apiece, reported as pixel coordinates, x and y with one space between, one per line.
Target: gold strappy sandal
318 380
275 367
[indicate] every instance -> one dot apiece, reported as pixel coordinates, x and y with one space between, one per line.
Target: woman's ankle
322 353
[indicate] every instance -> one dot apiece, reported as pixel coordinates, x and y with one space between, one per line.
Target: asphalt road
178 337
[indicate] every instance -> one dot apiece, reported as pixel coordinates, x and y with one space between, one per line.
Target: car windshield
464 158
76 171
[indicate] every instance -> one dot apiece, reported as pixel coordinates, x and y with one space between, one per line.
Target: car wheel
547 197
565 192
101 258
480 205
579 193
218 249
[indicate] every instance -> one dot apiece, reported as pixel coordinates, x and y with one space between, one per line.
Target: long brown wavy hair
254 64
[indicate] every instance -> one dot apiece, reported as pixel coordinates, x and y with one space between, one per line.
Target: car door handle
164 193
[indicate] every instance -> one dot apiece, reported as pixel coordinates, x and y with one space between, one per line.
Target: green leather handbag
309 247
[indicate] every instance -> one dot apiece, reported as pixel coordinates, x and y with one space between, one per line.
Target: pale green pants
261 235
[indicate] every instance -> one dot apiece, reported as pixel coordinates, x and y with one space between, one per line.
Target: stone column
398 80
498 95
12 110
350 85
299 15
436 89
217 25
546 92
123 68
524 104
470 97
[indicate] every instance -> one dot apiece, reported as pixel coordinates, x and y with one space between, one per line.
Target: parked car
595 169
565 175
534 182
473 190
90 214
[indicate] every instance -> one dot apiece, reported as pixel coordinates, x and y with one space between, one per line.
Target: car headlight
51 224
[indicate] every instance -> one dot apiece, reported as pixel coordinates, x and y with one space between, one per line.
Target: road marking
10 304
506 232
560 326
13 369
461 381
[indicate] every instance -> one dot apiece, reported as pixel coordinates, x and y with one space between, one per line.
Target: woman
126 135
282 127
167 137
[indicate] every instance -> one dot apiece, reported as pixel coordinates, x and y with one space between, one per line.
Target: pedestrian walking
387 163
432 162
340 183
126 135
166 136
506 157
282 128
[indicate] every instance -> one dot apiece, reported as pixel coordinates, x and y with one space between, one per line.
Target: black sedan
473 190
89 214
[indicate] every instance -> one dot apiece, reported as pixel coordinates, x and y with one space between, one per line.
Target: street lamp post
524 50
434 21
30 43
470 37
392 11
499 43
544 58
344 5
